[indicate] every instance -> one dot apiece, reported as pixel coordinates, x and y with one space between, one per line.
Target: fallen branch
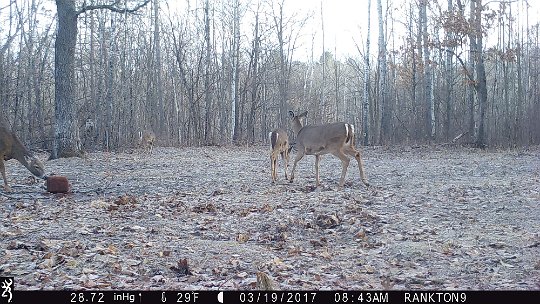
459 136
453 141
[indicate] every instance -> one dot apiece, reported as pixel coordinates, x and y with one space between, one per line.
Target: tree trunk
385 113
66 135
472 66
159 116
365 107
337 83
322 98
207 90
428 77
414 71
282 68
518 127
93 75
109 84
481 77
254 81
235 127
449 76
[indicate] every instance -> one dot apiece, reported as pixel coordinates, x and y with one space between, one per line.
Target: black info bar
240 297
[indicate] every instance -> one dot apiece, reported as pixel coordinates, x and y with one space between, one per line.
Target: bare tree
171 77
208 66
235 59
365 104
13 30
382 85
322 98
428 73
481 85
287 30
449 71
253 73
159 120
66 135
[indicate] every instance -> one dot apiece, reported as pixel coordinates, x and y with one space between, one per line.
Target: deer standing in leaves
334 138
279 144
147 139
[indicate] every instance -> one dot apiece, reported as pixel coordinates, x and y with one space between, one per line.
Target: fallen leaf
182 268
242 237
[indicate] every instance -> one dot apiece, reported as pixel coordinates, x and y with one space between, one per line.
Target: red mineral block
57 184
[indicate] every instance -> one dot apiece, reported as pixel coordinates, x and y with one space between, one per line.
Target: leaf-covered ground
209 218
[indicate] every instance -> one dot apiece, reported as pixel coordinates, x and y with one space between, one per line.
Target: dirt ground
209 218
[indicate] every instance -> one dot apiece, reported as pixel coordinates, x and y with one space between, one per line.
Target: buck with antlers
279 144
335 138
12 148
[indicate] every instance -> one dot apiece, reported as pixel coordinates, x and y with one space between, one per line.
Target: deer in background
335 138
12 148
147 139
279 143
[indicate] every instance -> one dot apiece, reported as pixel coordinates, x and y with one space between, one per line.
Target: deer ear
303 114
291 114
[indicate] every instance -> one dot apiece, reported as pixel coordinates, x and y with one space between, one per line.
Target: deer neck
297 125
19 152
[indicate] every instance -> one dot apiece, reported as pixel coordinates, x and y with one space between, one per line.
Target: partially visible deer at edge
147 140
334 138
279 143
12 148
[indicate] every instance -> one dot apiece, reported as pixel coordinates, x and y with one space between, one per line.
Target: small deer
334 138
147 139
279 143
12 148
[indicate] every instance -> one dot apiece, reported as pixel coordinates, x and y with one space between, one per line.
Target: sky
346 23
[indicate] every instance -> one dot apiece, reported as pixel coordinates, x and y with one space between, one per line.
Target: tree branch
112 7
463 65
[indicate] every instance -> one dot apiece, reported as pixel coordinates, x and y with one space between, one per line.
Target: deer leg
273 166
357 155
317 160
274 172
344 163
298 157
285 157
3 170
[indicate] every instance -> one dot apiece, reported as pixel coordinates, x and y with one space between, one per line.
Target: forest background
203 72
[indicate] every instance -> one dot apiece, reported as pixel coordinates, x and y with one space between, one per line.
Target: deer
12 148
334 138
279 144
146 140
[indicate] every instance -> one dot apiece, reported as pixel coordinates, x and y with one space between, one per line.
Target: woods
163 121
83 76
